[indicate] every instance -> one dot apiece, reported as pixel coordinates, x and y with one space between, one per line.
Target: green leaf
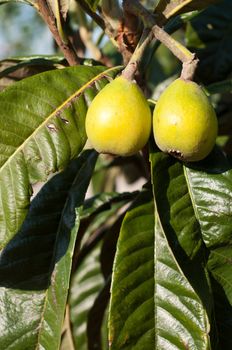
131 315
167 9
97 322
90 292
17 68
35 266
104 201
220 87
177 216
153 306
209 184
174 204
42 129
86 284
220 265
97 328
209 35
181 231
181 320
223 316
90 286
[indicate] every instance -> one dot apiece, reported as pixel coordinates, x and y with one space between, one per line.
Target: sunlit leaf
181 319
131 315
182 244
153 306
42 129
167 9
209 184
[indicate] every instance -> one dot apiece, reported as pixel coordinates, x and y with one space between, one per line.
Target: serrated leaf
34 287
167 9
42 127
208 34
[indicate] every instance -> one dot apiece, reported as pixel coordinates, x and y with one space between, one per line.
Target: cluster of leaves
147 269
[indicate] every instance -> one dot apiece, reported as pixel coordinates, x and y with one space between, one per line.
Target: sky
22 32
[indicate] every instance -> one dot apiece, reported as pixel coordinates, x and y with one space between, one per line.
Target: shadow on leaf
28 260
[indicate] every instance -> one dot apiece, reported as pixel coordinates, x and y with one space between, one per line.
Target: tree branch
133 64
67 48
188 59
92 14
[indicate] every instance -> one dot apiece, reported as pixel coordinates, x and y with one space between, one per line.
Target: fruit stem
189 68
133 64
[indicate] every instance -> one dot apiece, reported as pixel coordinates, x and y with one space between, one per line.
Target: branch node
189 68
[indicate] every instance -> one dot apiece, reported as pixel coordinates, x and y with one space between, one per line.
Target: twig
188 59
92 14
133 64
66 47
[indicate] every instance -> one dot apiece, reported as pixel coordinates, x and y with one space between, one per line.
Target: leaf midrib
56 111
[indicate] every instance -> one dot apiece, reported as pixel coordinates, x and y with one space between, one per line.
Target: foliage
83 263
